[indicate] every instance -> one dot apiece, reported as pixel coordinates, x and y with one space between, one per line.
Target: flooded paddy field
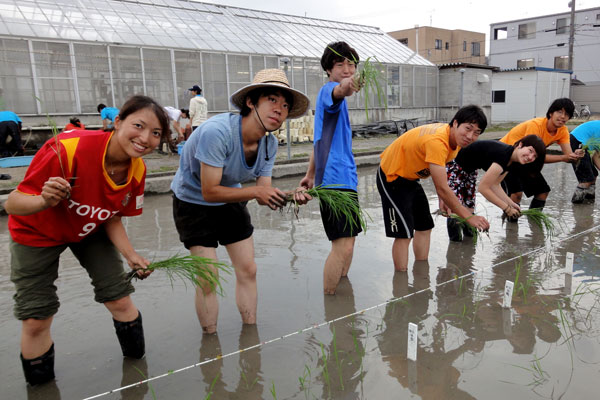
547 345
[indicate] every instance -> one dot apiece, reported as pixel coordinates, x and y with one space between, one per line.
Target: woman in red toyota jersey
74 194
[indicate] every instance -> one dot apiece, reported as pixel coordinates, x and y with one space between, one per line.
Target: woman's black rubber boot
131 337
537 203
40 369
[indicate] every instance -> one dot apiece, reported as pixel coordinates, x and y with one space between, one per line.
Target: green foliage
541 219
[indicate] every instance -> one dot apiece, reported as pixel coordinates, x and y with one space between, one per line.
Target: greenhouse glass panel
215 81
258 63
18 29
188 70
393 85
93 76
52 60
90 34
298 74
31 12
45 31
432 74
3 29
56 95
272 62
159 76
127 73
315 79
239 69
16 79
420 87
407 86
10 12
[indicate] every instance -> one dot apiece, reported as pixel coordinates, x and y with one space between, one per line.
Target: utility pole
571 41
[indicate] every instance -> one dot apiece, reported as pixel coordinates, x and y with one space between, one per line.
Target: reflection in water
47 391
134 371
250 381
341 360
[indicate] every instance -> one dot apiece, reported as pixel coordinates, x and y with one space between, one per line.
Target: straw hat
272 78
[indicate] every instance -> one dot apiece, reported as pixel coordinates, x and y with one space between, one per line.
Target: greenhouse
62 57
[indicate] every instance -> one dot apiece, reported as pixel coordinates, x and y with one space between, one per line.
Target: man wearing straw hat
209 202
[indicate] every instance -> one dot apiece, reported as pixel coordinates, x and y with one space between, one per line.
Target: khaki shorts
34 270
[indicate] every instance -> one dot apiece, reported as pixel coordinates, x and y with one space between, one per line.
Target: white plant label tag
569 264
411 351
507 321
508 293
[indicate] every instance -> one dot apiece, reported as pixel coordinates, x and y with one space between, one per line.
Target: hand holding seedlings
55 190
478 223
512 212
139 265
270 196
347 87
299 196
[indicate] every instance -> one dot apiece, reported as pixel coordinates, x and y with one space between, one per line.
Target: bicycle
583 112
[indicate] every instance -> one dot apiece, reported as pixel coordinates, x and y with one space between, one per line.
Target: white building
526 93
544 42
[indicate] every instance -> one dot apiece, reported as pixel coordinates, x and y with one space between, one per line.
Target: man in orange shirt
418 154
551 129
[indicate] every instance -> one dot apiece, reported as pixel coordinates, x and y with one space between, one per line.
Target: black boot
454 230
131 337
537 203
40 369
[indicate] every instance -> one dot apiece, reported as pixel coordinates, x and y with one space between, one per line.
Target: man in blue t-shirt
587 136
209 202
332 161
107 114
10 126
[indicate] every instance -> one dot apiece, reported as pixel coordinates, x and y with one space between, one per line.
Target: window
438 44
500 33
525 63
527 31
447 45
498 96
562 25
475 49
464 46
404 41
561 62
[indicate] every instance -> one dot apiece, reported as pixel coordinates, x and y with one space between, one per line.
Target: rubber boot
590 192
454 230
537 203
131 337
579 195
40 369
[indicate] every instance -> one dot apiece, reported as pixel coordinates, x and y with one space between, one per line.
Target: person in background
107 114
551 129
198 107
10 127
418 154
185 123
332 161
52 210
209 202
175 135
586 169
495 158
74 124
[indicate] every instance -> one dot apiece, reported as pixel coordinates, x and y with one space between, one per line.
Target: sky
392 15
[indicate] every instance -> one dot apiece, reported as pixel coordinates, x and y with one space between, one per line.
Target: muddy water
469 346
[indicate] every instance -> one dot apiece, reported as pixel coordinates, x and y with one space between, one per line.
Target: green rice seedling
337 358
465 225
591 145
145 377
197 270
212 385
541 219
272 390
325 371
369 75
305 379
250 385
518 266
344 204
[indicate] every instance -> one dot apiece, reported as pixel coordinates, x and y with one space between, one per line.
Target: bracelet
507 208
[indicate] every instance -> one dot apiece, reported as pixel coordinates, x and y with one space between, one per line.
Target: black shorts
339 227
209 226
520 179
585 170
405 207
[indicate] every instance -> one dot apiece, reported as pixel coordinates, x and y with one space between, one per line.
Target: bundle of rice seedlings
368 75
592 145
540 219
199 271
343 204
464 224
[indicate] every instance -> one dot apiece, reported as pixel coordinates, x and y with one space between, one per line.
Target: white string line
316 326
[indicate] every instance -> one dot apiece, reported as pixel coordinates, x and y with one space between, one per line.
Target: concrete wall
475 90
589 94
